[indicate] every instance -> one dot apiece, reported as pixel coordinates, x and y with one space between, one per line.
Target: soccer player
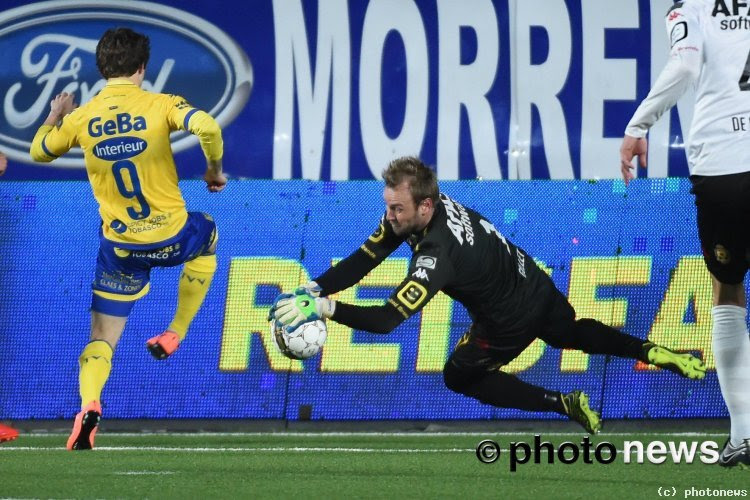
510 299
124 134
710 49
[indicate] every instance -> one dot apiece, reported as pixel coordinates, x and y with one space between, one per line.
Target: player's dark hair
422 179
121 52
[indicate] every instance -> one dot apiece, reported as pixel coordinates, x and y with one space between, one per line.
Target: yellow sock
95 363
194 283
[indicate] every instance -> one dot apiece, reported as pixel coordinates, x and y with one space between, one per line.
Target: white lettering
709 452
332 76
628 448
603 79
382 18
656 452
467 85
682 449
549 78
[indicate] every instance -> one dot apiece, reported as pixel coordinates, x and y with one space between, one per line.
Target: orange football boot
84 427
7 433
164 345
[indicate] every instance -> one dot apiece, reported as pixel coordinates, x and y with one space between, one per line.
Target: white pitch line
144 473
293 434
265 449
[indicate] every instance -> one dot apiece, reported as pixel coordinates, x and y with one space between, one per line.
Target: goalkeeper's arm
381 243
346 273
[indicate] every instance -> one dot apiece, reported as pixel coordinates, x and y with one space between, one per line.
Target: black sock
507 391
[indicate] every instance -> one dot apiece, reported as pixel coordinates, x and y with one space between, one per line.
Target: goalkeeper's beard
404 229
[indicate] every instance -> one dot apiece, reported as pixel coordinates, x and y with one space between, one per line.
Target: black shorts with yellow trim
123 271
723 216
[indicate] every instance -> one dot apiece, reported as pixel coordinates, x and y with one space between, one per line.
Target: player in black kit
511 301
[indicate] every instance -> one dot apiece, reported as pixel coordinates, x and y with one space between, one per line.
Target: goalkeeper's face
404 215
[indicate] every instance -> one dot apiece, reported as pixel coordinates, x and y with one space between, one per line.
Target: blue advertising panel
334 89
626 256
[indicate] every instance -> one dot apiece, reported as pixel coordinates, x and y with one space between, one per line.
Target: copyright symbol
488 451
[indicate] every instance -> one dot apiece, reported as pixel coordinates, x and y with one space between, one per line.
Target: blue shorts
123 271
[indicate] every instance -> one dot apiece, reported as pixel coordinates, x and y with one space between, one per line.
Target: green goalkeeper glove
301 308
310 288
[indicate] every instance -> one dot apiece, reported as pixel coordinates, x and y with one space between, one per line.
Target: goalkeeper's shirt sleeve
430 270
381 243
182 116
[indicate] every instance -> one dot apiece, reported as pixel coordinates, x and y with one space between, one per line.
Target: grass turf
279 465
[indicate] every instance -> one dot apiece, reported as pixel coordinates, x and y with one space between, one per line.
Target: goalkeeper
511 301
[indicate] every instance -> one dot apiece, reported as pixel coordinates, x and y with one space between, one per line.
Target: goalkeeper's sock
731 347
95 362
194 284
502 390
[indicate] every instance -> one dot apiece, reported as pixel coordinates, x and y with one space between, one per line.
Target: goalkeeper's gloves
296 309
310 288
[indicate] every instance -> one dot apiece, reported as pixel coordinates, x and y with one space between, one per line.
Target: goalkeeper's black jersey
460 253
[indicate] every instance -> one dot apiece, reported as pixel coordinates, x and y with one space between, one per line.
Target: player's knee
570 337
204 264
96 348
455 379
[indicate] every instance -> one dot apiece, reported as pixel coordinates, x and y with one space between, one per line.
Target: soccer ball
303 342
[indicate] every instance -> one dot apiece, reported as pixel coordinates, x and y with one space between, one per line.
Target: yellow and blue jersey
124 134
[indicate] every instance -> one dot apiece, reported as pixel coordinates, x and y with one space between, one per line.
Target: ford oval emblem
49 47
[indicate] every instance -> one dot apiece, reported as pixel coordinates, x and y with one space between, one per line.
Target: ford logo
49 47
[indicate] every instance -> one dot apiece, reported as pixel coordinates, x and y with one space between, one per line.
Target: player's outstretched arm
3 163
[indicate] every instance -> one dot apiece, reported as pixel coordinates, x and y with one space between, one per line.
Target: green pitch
316 465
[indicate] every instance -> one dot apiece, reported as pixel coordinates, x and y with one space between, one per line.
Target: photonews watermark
568 452
693 492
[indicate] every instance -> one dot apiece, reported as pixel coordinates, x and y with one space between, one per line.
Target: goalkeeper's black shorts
484 347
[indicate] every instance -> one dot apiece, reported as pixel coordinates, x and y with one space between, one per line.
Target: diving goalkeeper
510 299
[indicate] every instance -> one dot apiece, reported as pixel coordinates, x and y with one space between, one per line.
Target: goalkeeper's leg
594 337
473 369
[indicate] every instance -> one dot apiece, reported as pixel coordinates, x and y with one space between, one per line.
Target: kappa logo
49 47
421 274
426 261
